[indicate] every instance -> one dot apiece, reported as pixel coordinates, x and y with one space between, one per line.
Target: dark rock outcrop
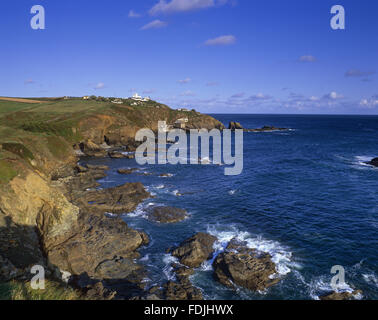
235 126
266 129
195 250
340 295
183 290
245 267
121 199
127 171
373 162
167 214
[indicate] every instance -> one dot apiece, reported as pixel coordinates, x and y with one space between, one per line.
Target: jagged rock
235 126
121 199
118 268
182 272
265 129
167 214
97 291
183 290
117 155
127 171
245 267
96 240
97 167
340 295
195 250
373 162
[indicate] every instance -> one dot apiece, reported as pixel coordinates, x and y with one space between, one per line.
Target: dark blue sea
305 196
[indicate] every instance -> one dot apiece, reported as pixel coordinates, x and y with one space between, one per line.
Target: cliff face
44 214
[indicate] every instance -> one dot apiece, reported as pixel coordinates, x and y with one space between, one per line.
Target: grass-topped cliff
44 214
38 133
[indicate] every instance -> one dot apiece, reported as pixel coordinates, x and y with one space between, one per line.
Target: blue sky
217 56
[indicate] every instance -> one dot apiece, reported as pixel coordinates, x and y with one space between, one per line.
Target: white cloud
221 41
307 58
333 96
133 14
156 24
369 103
175 6
184 81
99 85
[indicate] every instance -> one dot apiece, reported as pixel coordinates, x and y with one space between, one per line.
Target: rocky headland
52 212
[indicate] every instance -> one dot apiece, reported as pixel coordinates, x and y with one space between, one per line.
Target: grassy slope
51 127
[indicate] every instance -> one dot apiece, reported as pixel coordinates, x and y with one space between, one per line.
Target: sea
306 196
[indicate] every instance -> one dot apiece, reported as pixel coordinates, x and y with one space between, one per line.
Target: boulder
167 214
116 155
340 295
195 250
245 267
127 171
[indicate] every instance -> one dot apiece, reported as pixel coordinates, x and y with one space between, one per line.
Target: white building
136 97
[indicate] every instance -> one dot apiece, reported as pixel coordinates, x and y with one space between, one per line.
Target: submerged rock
341 295
245 267
195 250
266 129
127 171
167 214
373 162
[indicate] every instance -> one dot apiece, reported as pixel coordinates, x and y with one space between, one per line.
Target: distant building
86 98
137 97
183 110
181 123
117 101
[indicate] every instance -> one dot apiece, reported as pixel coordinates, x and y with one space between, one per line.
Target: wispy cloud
184 81
156 24
188 93
358 73
307 58
29 81
148 91
99 85
221 41
133 14
238 95
176 6
212 84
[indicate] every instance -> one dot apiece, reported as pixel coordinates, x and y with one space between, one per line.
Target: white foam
168 175
232 192
281 255
322 285
371 279
168 260
362 161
